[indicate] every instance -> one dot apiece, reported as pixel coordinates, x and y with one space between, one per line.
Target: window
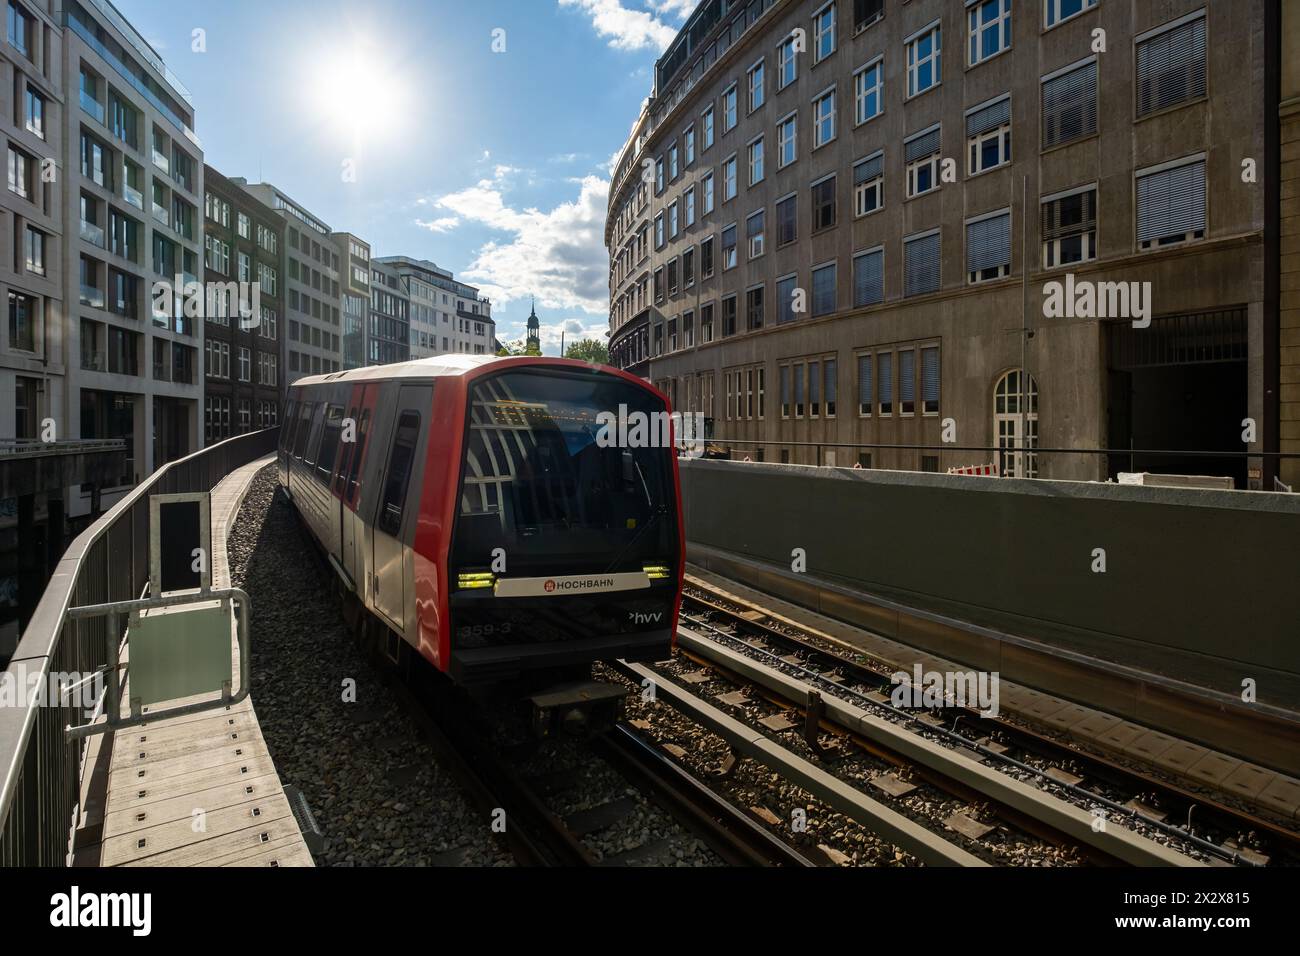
688 140
672 277
659 286
988 135
785 391
245 363
659 175
689 199
688 329
706 118
869 184
19 172
729 315
787 68
399 472
659 231
1070 104
756 161
832 386
706 323
754 233
988 247
1171 65
869 277
1171 203
823 203
923 61
785 141
754 308
706 258
1054 11
990 29
823 33
930 380
824 119
868 92
823 290
865 393
921 270
786 224
35 249
1015 424
729 178
798 390
729 247
20 28
706 185
756 86
22 322
35 112
729 108
885 383
921 153
907 382
245 226
866 12
785 289
672 220
688 268
1069 227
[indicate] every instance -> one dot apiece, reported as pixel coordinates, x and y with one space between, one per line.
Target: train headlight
655 572
475 579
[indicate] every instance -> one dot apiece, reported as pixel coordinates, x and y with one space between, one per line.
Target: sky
478 134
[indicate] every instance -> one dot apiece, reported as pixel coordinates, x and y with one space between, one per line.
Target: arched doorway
1015 424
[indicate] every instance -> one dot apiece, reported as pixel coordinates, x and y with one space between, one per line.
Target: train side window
399 472
354 473
329 443
303 432
345 458
290 420
313 443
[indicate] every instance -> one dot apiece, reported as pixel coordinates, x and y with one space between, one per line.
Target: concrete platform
1260 787
196 790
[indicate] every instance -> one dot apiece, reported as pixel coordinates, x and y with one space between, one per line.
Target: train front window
541 479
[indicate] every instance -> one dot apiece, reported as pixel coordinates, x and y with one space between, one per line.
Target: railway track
521 798
1121 795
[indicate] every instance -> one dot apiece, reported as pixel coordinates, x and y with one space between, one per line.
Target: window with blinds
754 308
930 380
864 385
823 203
798 391
988 132
1069 228
729 315
785 299
1070 105
921 269
921 153
814 389
785 391
885 382
1171 205
787 229
907 382
823 290
868 184
832 386
1171 67
754 232
869 278
988 248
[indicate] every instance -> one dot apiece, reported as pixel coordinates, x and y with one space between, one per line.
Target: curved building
842 226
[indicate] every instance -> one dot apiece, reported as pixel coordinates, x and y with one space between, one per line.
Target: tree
519 347
589 350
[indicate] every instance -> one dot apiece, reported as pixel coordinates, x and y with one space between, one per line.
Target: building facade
133 189
313 299
243 348
841 226
354 281
388 330
446 315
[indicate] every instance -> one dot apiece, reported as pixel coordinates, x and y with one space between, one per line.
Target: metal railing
40 770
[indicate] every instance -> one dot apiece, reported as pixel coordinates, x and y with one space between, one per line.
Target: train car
486 515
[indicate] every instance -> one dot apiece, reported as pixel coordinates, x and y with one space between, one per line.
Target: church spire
534 327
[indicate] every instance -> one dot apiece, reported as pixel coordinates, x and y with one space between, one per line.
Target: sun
357 92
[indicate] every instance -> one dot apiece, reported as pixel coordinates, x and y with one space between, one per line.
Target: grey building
313 297
446 315
842 226
388 330
130 184
354 283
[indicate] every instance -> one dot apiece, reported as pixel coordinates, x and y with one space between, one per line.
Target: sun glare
358 93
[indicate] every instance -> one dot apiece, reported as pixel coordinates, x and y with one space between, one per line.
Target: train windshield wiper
650 522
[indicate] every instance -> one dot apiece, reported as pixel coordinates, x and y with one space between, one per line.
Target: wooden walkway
199 790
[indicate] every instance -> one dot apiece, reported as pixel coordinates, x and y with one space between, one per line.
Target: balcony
133 197
93 360
161 161
161 214
92 233
161 372
92 106
92 296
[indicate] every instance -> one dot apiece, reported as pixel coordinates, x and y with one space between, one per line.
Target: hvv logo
636 617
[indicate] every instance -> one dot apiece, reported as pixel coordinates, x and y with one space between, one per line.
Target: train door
397 508
345 487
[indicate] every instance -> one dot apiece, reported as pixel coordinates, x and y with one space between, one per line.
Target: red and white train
467 505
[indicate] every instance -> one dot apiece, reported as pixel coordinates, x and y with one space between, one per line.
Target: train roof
451 364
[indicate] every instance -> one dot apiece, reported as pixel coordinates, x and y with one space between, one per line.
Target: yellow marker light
483 579
655 572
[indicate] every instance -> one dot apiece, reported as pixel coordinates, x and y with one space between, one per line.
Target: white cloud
558 255
627 29
441 224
